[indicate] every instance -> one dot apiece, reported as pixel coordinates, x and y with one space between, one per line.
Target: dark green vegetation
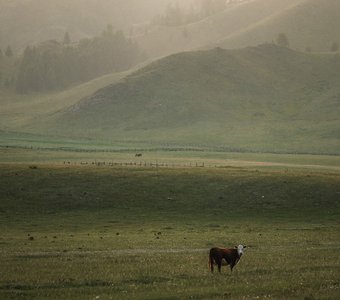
55 65
19 110
80 233
7 70
117 187
263 98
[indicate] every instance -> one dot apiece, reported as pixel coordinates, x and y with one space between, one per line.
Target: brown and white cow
230 255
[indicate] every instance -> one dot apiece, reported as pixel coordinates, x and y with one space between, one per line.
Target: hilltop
163 40
309 24
262 98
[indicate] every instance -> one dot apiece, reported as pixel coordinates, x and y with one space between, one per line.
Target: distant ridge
261 98
206 33
309 24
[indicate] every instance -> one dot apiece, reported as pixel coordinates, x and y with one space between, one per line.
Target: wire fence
145 164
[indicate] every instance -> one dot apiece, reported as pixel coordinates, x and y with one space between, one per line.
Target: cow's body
230 255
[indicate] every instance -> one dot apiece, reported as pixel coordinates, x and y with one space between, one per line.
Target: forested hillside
58 64
71 59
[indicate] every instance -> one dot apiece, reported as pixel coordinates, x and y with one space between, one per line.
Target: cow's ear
244 246
236 247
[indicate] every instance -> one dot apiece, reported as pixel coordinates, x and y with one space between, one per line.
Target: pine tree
67 39
9 51
27 74
54 65
282 40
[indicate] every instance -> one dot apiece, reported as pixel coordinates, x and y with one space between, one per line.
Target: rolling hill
309 24
163 40
261 98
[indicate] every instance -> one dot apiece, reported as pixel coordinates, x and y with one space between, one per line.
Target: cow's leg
233 264
219 264
211 263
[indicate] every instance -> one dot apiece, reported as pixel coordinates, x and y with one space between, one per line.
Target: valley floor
139 232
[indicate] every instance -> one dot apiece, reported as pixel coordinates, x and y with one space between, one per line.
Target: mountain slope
310 24
19 110
260 99
164 40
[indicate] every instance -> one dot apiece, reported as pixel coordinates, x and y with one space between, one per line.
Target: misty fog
141 140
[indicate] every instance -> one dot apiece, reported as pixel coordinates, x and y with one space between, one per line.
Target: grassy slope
18 113
18 110
105 232
264 98
309 24
171 39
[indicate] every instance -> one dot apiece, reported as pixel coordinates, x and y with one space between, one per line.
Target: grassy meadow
202 99
289 99
118 187
88 232
19 110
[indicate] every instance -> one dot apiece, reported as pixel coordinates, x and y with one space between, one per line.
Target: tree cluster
174 15
7 67
282 40
55 65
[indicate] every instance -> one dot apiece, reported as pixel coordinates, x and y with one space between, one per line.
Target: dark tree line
7 67
55 65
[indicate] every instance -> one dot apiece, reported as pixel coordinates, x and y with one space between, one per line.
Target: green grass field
265 99
83 232
235 147
259 99
19 110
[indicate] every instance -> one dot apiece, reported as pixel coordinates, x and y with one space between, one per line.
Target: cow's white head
240 249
